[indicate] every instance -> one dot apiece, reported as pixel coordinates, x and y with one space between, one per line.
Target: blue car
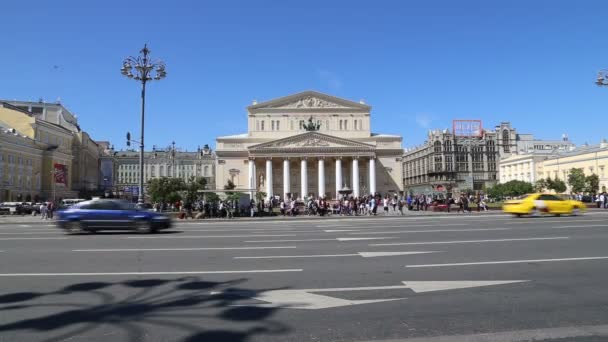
108 214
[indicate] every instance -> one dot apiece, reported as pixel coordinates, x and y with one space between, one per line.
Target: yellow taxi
539 204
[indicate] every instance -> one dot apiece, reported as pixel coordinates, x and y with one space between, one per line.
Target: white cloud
330 79
424 120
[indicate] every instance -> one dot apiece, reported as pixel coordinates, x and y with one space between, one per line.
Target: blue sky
419 64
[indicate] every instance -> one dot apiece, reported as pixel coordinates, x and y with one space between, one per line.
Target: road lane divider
328 239
465 241
33 238
429 231
498 262
92 274
207 236
181 249
361 254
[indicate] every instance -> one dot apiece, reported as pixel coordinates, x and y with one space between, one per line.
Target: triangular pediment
309 100
311 140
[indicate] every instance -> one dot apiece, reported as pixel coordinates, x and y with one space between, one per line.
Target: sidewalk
27 219
12 219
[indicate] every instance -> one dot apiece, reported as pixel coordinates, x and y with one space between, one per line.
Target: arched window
448 146
206 174
505 141
437 147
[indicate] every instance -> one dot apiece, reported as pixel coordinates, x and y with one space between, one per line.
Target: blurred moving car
538 204
144 206
109 214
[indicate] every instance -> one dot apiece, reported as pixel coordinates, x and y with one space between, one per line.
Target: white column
286 178
251 182
304 179
355 177
321 180
268 178
372 176
338 176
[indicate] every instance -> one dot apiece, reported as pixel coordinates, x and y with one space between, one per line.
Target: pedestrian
43 211
385 204
50 209
400 205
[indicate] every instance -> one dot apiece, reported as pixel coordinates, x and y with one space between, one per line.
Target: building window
206 174
301 124
278 125
257 125
356 125
346 125
340 124
505 141
327 125
291 125
272 125
437 148
153 171
262 125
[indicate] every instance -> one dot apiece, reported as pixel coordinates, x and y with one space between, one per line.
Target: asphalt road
417 279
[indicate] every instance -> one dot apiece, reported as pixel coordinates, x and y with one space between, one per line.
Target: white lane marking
31 233
34 238
310 299
554 221
24 225
507 262
332 239
237 229
340 230
465 241
206 236
585 226
361 254
145 273
431 231
560 333
364 238
180 249
297 240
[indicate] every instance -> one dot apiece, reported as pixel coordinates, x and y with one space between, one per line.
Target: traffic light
128 139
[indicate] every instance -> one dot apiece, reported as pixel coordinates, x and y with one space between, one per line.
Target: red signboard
60 174
467 128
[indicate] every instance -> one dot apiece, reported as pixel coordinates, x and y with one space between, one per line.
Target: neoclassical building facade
310 144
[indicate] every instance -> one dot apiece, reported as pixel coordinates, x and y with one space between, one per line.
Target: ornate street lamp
146 70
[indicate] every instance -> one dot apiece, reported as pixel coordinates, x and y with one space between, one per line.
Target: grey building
447 163
160 162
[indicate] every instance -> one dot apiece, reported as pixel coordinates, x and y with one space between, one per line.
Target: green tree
193 186
576 180
517 188
592 184
165 189
541 185
558 185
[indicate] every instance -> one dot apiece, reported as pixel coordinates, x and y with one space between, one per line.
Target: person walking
400 205
43 211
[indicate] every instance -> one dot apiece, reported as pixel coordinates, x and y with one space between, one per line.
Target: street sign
467 128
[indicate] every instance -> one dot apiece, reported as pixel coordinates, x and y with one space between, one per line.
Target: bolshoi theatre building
310 144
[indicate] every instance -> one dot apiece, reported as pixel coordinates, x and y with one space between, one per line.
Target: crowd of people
601 200
346 206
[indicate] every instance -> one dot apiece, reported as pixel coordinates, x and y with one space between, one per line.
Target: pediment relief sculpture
310 102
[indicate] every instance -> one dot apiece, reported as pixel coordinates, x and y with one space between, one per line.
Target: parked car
538 204
109 214
11 208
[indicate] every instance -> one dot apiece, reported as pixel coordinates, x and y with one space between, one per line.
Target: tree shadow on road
189 306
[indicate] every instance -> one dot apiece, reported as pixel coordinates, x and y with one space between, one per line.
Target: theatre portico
313 144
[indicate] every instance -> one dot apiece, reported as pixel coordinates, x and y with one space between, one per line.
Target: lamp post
146 70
